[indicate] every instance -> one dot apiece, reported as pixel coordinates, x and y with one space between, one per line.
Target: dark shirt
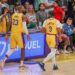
41 16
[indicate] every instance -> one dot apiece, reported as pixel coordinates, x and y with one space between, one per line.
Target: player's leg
12 48
51 43
54 45
42 64
50 55
22 56
22 66
2 62
21 44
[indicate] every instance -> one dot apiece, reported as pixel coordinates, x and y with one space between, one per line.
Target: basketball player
51 27
4 20
17 36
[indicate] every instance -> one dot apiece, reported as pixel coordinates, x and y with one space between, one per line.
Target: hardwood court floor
65 68
65 62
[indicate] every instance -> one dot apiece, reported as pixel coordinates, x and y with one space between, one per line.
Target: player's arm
7 30
25 27
43 29
59 27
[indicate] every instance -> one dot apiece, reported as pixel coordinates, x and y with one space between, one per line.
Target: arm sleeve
25 28
58 24
44 24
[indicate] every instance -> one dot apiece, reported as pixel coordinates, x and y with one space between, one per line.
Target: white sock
53 60
21 63
5 59
9 53
50 55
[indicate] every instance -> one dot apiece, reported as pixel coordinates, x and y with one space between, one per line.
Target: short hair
20 6
26 2
41 4
69 18
16 4
57 2
51 13
3 9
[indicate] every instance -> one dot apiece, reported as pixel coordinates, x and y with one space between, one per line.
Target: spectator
12 2
31 17
26 5
16 8
66 13
59 13
69 30
19 2
48 5
36 4
41 15
3 4
4 20
64 42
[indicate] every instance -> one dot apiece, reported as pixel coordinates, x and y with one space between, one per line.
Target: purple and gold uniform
51 32
3 24
17 31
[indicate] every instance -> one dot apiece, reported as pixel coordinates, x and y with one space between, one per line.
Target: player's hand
28 37
6 37
43 30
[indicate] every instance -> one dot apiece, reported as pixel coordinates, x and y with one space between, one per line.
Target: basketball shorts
52 41
17 39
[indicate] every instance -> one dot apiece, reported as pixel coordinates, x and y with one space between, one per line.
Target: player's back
51 27
17 25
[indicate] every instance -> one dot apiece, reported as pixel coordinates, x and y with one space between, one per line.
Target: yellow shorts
17 39
52 41
1 28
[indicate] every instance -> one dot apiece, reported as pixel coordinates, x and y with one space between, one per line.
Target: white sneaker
57 52
66 52
23 68
1 64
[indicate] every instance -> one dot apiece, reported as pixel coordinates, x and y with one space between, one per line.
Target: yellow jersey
0 26
51 27
3 24
17 25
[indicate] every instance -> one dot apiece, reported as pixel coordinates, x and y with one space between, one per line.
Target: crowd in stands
35 16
